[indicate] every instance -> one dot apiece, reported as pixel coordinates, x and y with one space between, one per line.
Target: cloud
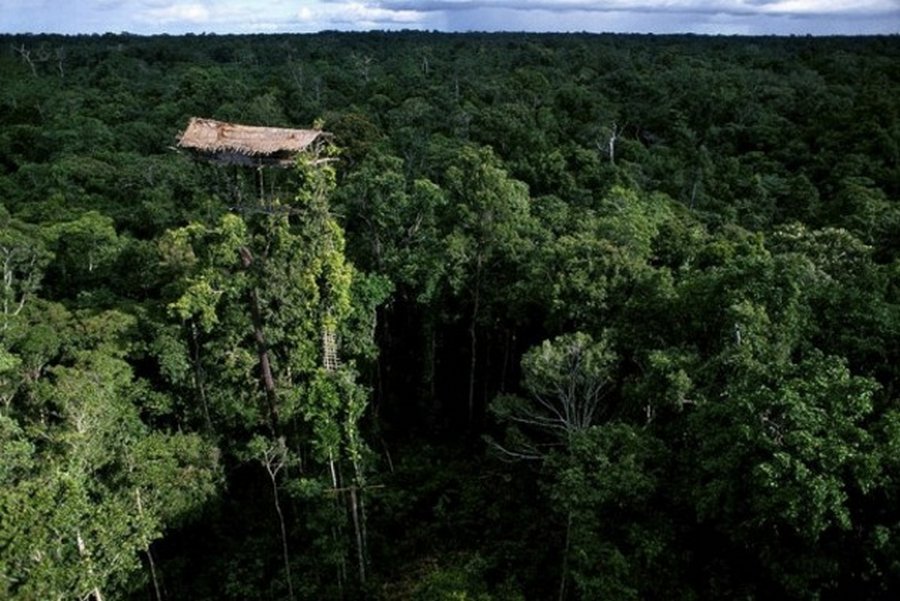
197 14
231 16
108 4
656 16
831 7
752 17
359 15
731 7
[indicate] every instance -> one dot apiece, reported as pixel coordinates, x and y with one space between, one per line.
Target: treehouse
223 143
235 148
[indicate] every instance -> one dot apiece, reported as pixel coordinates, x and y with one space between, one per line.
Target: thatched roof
246 144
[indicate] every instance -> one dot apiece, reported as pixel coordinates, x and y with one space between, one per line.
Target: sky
726 17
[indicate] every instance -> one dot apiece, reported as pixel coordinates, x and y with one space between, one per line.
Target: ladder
330 359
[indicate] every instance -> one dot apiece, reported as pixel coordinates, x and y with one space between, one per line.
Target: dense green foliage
618 317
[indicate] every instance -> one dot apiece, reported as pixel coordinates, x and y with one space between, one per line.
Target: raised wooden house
226 143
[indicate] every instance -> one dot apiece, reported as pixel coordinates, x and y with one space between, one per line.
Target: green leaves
800 440
206 258
587 269
87 491
489 224
176 473
605 486
706 278
85 252
567 379
23 259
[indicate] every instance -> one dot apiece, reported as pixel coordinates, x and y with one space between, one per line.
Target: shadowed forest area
550 317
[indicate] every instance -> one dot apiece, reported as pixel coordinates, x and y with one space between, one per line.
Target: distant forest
551 317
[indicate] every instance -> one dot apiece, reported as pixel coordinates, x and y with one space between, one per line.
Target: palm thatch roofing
234 144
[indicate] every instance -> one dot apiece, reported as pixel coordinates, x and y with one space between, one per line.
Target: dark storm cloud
754 17
793 8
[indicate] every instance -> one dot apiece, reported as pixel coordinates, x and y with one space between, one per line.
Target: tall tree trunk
382 367
85 555
565 562
611 143
357 530
284 539
274 460
429 369
262 349
473 349
341 568
335 534
505 367
488 347
199 376
473 341
153 576
358 507
260 182
149 552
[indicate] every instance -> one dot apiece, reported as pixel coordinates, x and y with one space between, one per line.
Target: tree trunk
26 57
83 552
199 376
504 370
261 183
150 561
565 563
357 529
153 576
274 459
488 347
284 539
473 340
262 349
428 373
341 568
335 534
611 143
381 331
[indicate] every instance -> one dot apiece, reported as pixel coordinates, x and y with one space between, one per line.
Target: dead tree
25 54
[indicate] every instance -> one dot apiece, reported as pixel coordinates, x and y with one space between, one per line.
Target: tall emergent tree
274 314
